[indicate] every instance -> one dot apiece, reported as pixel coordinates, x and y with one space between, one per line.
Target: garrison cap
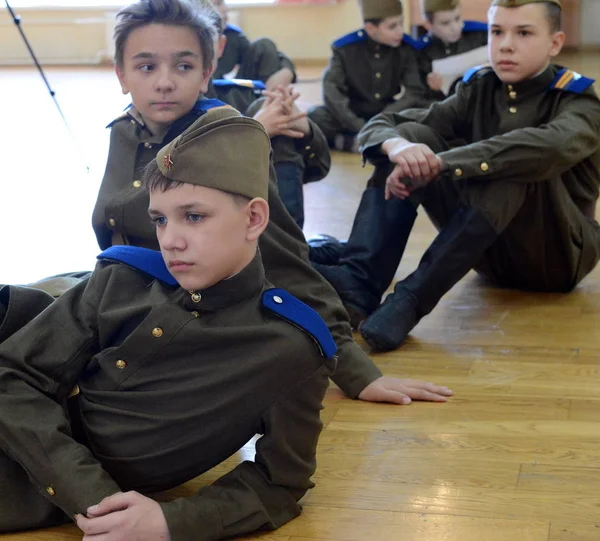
222 150
517 3
380 9
433 6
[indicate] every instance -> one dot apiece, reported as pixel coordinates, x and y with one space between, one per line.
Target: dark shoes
356 300
459 246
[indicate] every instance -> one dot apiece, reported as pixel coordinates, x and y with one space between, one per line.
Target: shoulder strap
302 316
149 261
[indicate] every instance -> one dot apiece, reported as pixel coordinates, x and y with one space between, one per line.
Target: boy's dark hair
153 179
169 12
554 16
374 22
429 16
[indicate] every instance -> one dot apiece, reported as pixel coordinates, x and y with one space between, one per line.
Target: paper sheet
454 67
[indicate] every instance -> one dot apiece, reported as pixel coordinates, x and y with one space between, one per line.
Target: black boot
372 254
459 246
325 249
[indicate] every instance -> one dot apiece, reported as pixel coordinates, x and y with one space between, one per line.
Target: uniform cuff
355 369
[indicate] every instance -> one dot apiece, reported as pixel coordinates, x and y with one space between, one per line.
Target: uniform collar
142 133
529 87
376 47
246 283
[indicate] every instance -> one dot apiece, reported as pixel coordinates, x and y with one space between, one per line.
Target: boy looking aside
167 363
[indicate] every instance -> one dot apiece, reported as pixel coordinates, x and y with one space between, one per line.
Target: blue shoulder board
571 81
423 42
352 37
233 28
246 83
206 104
149 261
475 26
474 71
301 315
417 44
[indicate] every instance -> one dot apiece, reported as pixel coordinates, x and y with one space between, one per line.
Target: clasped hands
416 165
280 115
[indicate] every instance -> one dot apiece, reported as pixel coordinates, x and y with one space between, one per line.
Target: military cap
517 3
222 150
433 6
380 9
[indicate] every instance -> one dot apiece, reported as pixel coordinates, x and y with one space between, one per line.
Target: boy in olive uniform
162 48
448 35
258 60
165 363
369 72
517 200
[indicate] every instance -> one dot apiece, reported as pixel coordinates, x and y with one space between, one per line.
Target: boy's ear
258 218
370 29
121 76
426 24
558 40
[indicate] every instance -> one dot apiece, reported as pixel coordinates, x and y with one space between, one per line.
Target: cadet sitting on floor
258 60
516 202
369 72
300 151
448 35
176 361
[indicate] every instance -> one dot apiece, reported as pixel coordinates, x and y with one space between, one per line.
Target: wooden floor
514 456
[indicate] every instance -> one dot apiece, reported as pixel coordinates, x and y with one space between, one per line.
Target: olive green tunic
169 385
364 78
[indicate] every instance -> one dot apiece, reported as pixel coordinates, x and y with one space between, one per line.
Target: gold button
378 75
484 167
513 95
120 364
112 222
157 332
458 172
137 183
377 55
378 96
196 297
312 155
448 51
513 110
510 88
307 147
51 491
196 314
148 145
132 121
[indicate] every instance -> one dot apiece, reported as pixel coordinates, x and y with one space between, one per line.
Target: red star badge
167 162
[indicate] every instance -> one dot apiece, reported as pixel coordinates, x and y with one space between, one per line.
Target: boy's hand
277 122
435 81
125 516
288 98
403 391
416 166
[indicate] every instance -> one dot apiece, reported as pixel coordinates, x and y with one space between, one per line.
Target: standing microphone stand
17 20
